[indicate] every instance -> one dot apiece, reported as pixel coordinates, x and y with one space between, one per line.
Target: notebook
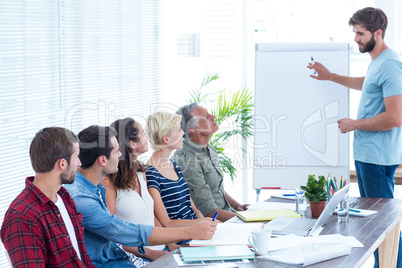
266 215
189 254
224 235
305 227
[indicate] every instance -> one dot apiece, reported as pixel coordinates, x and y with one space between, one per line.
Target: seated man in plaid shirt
42 227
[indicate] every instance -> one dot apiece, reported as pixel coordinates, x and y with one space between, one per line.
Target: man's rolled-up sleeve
109 226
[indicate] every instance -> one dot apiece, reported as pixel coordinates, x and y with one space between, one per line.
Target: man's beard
66 178
369 46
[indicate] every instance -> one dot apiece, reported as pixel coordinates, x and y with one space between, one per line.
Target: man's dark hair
95 141
187 119
371 19
49 145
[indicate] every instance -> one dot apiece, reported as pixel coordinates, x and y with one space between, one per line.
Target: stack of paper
297 250
310 253
190 254
266 215
292 240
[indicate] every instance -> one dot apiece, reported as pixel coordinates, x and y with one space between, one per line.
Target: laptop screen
330 208
305 227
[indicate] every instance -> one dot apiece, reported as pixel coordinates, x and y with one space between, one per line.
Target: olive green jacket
200 167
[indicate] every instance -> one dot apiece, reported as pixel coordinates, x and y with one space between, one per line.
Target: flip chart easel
295 128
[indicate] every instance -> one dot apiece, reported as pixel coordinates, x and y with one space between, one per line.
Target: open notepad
229 234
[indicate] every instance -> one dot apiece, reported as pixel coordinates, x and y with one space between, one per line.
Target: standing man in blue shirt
103 232
377 146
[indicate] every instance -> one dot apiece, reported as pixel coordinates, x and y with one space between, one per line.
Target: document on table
292 240
297 250
229 234
359 212
264 206
309 253
284 195
266 215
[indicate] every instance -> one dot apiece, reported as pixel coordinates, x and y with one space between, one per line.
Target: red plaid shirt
34 233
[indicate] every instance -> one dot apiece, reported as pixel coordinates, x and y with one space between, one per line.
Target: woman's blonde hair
158 125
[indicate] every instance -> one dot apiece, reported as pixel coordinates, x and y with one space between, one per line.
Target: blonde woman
166 184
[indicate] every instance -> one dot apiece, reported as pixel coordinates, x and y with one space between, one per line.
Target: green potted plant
316 192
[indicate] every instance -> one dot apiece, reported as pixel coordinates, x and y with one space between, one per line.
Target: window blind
110 65
28 88
70 63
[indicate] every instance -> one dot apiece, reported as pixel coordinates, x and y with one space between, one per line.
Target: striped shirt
175 194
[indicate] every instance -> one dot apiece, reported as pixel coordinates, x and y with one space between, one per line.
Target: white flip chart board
296 131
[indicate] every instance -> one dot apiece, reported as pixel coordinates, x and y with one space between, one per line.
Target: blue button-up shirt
102 231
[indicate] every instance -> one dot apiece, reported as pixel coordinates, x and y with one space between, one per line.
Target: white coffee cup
259 240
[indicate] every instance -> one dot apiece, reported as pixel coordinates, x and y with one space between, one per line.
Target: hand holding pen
321 70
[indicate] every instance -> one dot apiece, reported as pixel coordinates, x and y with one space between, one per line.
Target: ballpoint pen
355 210
215 215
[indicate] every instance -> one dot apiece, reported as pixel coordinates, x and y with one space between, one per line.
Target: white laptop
303 226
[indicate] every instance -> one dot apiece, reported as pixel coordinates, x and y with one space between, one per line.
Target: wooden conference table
380 230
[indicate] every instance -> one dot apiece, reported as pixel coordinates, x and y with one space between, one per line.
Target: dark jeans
377 181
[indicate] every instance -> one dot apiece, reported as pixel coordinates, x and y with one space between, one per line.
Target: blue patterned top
175 194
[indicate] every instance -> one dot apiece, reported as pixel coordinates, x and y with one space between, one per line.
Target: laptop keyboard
301 225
